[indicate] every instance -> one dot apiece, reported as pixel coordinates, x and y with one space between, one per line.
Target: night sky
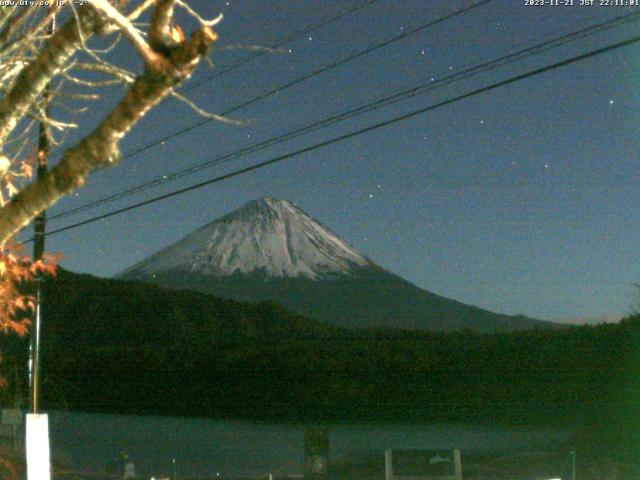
523 199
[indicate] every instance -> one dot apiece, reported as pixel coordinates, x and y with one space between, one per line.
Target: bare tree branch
140 9
206 114
33 79
16 23
5 15
150 57
92 84
207 23
32 34
161 23
100 148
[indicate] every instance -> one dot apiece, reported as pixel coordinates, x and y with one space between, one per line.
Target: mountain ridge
271 250
264 234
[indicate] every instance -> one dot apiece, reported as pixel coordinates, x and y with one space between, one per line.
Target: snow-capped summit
270 250
266 236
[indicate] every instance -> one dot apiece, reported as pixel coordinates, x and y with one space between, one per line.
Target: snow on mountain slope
270 250
267 236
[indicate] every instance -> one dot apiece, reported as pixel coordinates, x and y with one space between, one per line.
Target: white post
388 464
573 471
458 464
37 444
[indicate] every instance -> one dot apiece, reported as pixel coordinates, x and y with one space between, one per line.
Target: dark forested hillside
369 297
126 347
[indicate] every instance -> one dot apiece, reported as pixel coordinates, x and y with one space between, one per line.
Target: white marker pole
37 439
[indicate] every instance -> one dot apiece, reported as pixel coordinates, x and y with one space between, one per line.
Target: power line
292 36
367 107
389 41
355 133
309 75
301 79
280 43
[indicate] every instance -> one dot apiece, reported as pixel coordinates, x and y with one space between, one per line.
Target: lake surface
91 442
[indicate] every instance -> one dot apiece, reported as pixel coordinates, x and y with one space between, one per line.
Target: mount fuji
271 250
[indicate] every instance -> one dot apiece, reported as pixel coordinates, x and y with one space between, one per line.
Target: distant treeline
116 346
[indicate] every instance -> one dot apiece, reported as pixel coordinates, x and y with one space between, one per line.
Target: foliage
147 350
15 270
48 78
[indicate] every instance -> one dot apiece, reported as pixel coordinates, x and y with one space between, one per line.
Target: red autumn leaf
17 268
20 327
21 302
25 302
27 170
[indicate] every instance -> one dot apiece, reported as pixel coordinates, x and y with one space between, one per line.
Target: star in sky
521 136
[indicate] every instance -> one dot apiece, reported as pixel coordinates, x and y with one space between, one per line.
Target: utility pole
44 147
37 425
573 471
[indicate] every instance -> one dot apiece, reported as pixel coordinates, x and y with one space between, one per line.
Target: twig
251 48
91 84
205 23
77 96
15 23
33 79
150 57
140 9
204 113
100 148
